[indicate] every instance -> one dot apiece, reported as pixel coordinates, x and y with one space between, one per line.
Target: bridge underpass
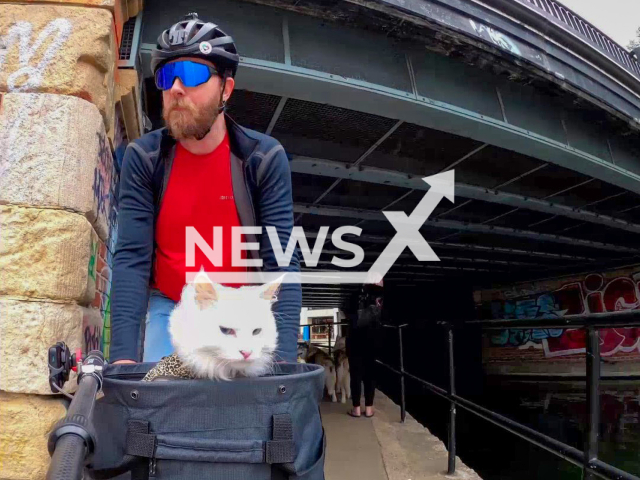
515 217
546 158
546 183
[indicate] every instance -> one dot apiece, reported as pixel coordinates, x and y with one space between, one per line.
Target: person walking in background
361 348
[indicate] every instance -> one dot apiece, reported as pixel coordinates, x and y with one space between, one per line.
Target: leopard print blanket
169 368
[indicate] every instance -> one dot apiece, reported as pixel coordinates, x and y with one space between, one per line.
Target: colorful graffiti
92 260
594 294
103 264
105 189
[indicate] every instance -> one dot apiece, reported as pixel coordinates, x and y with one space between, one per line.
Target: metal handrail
589 32
629 318
587 459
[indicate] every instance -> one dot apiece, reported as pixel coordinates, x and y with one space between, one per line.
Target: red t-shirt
199 194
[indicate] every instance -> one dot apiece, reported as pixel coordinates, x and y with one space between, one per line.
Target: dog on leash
320 357
343 376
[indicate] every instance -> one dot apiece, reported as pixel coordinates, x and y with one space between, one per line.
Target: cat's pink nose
245 354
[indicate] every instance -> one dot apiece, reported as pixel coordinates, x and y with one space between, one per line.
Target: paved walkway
382 448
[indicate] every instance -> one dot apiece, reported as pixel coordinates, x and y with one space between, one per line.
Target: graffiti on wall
103 264
92 260
593 294
102 177
92 338
91 333
42 48
105 189
496 37
105 186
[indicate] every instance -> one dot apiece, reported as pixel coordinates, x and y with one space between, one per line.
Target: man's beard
191 121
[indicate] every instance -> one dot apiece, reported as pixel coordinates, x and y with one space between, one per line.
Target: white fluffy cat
222 332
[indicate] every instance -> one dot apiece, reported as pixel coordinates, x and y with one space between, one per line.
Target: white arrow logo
407 235
408 227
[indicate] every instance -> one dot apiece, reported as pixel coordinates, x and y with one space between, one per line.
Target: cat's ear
206 294
269 291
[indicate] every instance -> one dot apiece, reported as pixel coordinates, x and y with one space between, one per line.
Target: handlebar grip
67 462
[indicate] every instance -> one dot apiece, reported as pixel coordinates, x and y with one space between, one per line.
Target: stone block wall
60 123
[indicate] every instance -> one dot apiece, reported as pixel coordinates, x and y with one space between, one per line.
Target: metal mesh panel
493 166
312 223
334 124
420 150
306 188
592 194
522 219
127 38
369 196
547 181
252 110
474 212
521 243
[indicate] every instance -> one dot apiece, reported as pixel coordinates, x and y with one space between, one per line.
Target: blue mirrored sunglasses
191 74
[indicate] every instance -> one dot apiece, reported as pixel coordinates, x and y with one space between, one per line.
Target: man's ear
229 85
269 291
206 294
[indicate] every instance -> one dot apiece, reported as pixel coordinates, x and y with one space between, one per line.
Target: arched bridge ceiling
551 48
299 57
543 187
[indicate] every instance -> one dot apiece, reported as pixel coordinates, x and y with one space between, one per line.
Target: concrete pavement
382 448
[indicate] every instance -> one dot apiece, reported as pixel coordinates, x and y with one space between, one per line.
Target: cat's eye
227 331
257 331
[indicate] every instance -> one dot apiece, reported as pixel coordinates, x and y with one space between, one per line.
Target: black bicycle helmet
192 37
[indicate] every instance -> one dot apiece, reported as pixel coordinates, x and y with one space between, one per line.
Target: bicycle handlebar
72 441
68 458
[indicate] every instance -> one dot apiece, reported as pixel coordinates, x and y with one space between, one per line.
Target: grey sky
617 18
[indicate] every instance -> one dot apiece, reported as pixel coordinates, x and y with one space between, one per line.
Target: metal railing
587 459
594 36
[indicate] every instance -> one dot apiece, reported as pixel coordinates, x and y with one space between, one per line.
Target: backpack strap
140 443
281 449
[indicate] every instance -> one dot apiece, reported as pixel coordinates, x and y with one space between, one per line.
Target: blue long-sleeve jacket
261 180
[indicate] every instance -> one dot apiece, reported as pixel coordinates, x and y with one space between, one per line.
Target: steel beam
317 286
276 115
462 159
362 158
394 272
327 296
479 248
455 225
317 293
274 78
443 257
424 266
326 168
